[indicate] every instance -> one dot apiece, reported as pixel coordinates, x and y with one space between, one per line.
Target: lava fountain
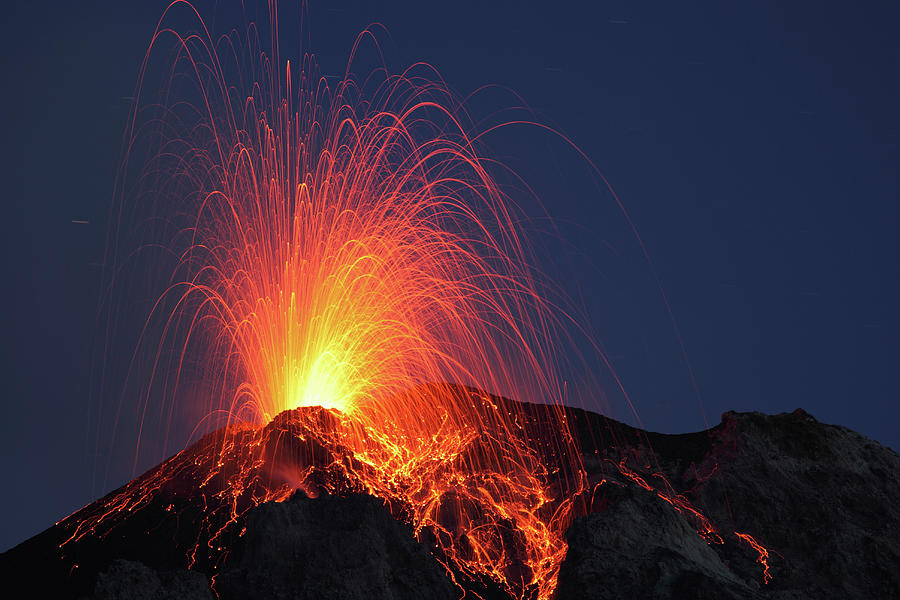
346 247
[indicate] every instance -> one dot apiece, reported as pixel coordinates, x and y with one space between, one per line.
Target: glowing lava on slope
488 495
340 251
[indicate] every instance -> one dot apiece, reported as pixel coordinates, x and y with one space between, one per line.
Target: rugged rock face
821 499
325 548
640 547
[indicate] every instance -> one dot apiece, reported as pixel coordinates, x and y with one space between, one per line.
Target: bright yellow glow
327 383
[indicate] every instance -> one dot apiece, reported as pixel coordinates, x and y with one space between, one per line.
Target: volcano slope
757 507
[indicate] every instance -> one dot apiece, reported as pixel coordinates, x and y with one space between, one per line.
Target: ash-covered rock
821 499
641 547
330 548
824 499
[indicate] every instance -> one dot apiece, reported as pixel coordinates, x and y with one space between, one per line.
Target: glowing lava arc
347 248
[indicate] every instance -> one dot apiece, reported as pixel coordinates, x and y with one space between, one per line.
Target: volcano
756 507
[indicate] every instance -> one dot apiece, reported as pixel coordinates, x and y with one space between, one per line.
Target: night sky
755 146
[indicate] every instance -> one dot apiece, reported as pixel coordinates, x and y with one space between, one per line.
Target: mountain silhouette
758 506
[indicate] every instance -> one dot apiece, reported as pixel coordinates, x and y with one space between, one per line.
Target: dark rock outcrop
640 547
823 498
131 580
330 548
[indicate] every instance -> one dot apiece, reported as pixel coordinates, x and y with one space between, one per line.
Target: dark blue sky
755 145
